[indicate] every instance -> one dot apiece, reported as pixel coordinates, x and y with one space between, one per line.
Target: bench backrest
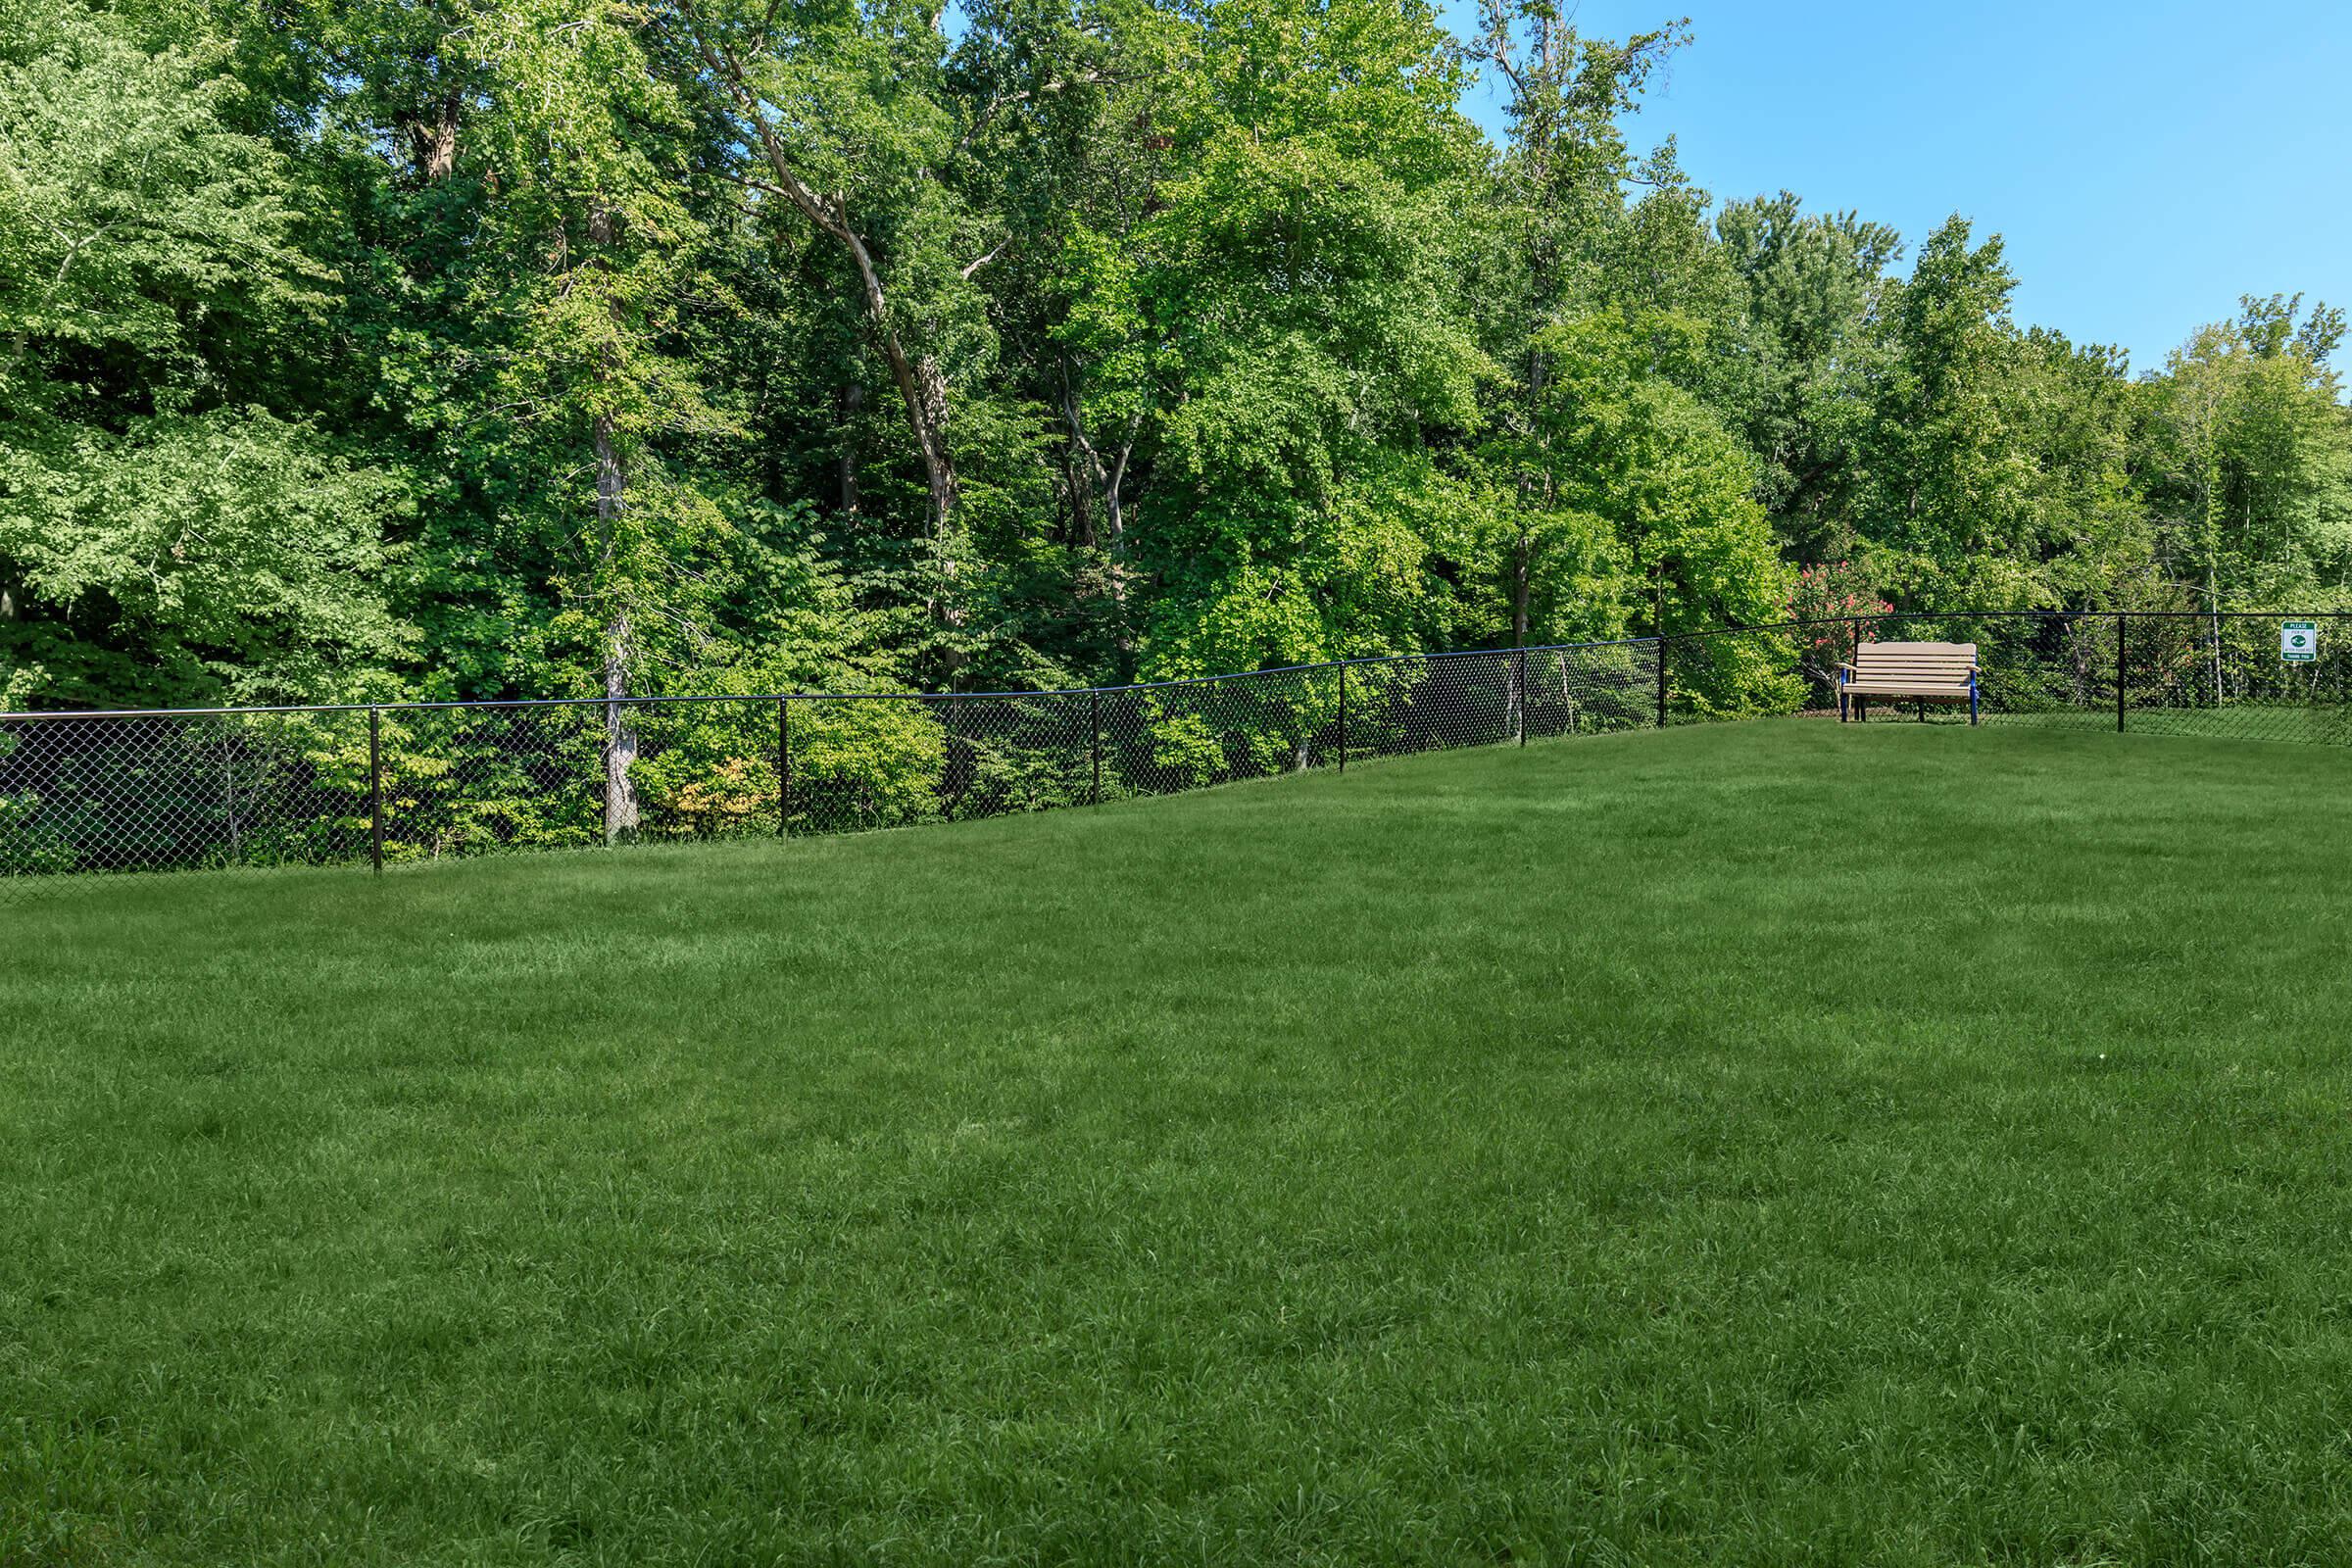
1918 664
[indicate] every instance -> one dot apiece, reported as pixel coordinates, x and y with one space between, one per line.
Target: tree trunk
852 404
1078 497
2213 603
1114 510
1110 480
611 501
922 386
927 409
1521 572
433 141
621 736
927 414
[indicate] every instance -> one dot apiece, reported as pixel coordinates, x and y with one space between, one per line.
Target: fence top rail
494 704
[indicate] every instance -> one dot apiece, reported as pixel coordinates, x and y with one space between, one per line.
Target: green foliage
1802 353
226 554
865 764
388 349
2244 453
143 240
161 538
1274 326
1614 435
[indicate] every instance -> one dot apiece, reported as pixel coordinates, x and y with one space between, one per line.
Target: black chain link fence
396 783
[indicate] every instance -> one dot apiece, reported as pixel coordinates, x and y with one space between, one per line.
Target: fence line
379 783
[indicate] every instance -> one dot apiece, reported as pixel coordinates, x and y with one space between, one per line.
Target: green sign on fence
2298 640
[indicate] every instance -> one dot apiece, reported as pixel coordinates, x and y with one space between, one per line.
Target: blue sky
2145 164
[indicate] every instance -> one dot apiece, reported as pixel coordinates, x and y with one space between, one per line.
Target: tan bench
1925 672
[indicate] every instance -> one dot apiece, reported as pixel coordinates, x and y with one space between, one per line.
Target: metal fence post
783 767
1661 680
376 789
1519 680
949 795
2121 620
1342 715
1094 718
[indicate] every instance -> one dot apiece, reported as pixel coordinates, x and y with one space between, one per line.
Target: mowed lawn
1758 1143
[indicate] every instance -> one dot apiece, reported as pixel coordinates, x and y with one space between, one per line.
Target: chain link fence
408 782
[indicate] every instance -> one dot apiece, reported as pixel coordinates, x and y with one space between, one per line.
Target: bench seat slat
1913 665
1939 673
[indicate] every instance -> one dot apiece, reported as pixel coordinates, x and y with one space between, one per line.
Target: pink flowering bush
1836 589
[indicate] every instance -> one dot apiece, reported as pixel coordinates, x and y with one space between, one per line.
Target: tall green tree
1247 348
173 527
2246 452
843 124
1794 376
380 347
1995 458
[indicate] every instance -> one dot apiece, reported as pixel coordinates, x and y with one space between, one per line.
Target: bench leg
1923 710
1972 708
1861 710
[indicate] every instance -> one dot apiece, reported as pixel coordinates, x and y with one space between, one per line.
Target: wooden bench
1926 672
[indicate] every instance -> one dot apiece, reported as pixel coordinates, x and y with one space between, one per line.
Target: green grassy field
1758 1143
2299 722
2303 723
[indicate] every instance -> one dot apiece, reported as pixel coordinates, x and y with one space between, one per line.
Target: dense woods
367 349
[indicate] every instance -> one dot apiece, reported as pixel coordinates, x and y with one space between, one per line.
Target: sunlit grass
1749 1144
